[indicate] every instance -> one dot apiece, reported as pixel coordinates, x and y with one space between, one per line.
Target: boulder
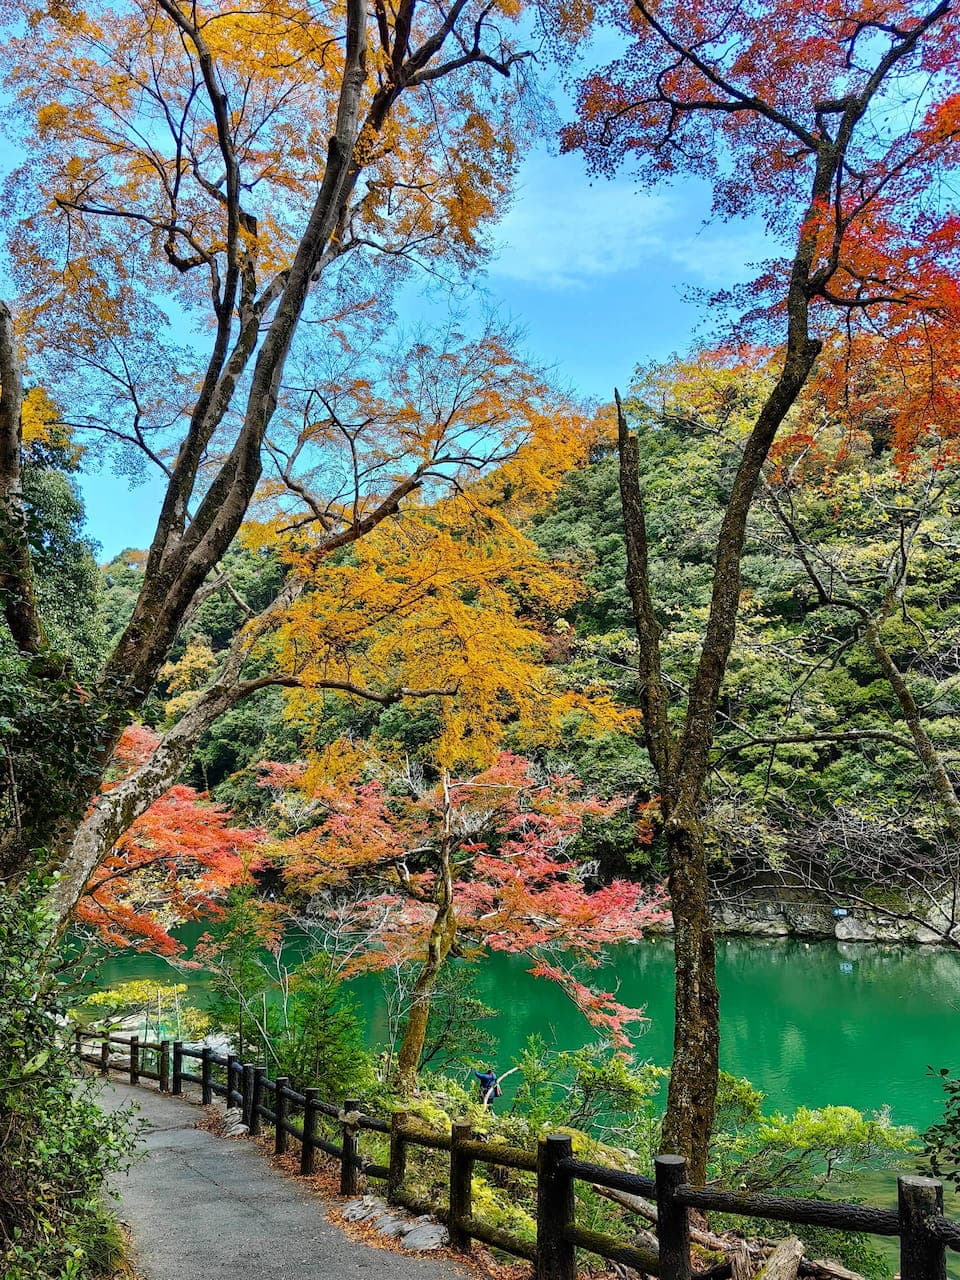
233 1126
365 1207
392 1224
424 1236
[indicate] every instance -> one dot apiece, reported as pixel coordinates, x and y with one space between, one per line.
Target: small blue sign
840 912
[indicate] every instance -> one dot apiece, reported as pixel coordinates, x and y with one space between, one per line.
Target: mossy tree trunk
679 743
440 942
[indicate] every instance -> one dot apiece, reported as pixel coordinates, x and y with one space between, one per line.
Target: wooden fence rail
924 1232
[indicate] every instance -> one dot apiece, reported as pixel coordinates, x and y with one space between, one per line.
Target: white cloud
722 255
564 231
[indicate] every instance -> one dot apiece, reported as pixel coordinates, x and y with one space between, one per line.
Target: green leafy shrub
593 1092
806 1153
801 1153
56 1145
158 1008
456 1035
300 1022
318 1036
941 1142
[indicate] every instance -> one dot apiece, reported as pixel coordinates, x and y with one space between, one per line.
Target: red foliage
756 99
506 836
135 748
170 866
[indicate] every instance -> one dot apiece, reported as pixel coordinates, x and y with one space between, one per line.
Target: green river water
808 1023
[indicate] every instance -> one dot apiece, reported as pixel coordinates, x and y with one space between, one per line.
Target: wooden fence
919 1222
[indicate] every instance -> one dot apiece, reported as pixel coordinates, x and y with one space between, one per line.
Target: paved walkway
205 1208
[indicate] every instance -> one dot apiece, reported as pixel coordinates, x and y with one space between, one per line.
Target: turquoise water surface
808 1023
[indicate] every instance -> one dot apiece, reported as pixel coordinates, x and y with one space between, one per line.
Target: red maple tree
172 864
838 124
459 866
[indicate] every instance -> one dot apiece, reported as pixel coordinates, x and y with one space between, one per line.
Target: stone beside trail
202 1208
418 1234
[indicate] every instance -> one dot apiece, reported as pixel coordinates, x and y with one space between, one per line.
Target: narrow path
205 1208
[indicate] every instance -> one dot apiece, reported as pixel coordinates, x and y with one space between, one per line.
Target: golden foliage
446 597
39 419
188 675
122 198
449 598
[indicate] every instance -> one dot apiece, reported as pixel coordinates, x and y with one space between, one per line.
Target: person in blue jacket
489 1088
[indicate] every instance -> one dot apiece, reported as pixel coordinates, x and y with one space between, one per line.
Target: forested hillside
818 788
834 763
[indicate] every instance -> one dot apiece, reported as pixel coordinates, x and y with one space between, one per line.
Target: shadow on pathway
203 1208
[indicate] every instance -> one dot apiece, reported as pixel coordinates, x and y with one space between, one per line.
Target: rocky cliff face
816 920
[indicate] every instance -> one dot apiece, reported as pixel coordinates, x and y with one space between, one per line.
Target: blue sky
600 274
596 273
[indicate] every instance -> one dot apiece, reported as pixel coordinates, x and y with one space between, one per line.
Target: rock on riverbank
770 919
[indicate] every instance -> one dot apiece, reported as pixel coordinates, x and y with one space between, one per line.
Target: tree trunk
16 571
682 761
936 770
691 1100
58 812
442 936
183 552
784 1262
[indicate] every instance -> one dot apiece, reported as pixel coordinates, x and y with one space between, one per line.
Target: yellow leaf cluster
334 767
451 599
713 391
188 675
40 421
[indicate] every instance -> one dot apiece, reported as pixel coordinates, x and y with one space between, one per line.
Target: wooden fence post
556 1256
105 1057
673 1219
163 1066
206 1075
176 1085
349 1170
77 1041
231 1063
307 1148
922 1255
461 1186
134 1059
398 1156
280 1110
256 1099
246 1086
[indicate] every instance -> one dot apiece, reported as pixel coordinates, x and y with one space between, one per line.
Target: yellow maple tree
448 602
459 442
